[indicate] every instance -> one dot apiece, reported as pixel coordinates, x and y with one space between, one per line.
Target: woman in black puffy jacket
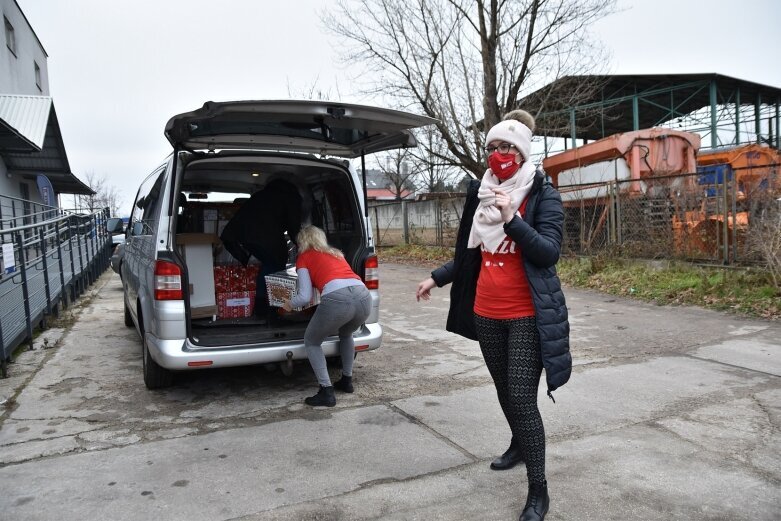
506 293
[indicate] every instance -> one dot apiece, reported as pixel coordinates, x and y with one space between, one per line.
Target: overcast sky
118 69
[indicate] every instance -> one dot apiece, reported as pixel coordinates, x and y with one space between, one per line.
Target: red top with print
502 287
324 267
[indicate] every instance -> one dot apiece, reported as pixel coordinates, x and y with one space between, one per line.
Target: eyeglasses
504 148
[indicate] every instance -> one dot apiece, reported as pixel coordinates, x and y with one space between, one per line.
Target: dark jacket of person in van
259 226
258 229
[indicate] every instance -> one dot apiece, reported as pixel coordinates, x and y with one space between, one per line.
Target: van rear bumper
179 354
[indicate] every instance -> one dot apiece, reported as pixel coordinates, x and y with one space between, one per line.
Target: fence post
79 227
725 227
59 262
439 229
734 217
611 217
25 289
42 239
619 217
73 262
405 221
377 226
3 358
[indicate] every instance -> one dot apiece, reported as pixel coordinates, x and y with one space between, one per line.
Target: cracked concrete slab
747 353
229 473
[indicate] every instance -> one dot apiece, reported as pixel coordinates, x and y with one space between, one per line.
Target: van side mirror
138 228
114 225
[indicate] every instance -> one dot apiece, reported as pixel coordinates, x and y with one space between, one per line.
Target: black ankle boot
510 458
325 398
344 384
537 503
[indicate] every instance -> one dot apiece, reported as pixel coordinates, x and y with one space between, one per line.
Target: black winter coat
539 236
262 221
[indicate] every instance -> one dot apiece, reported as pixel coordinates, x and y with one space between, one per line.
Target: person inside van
345 304
258 229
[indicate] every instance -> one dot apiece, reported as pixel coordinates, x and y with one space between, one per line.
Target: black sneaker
324 398
345 384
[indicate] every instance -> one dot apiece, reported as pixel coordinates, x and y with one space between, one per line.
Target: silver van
179 282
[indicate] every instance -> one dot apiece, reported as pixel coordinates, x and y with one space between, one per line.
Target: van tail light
168 281
371 272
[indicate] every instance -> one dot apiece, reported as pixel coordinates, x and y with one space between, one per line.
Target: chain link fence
719 214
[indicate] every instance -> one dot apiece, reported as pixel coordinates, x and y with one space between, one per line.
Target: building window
10 39
37 76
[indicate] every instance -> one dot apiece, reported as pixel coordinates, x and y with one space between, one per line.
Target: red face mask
503 165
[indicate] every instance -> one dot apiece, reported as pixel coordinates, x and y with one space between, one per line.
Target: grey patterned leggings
511 349
342 311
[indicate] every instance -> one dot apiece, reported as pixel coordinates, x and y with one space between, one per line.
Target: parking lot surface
671 413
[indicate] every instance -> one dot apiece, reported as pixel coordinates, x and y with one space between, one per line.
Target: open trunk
221 296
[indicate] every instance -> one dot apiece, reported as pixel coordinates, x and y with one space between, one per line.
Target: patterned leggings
511 349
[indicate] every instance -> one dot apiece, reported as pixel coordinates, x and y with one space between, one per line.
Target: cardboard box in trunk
235 304
282 285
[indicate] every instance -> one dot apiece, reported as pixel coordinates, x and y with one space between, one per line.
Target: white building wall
11 187
17 70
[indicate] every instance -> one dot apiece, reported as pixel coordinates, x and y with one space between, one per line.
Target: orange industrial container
757 168
639 156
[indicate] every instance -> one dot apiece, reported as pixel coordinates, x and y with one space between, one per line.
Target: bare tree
435 174
313 91
764 239
396 167
106 195
467 62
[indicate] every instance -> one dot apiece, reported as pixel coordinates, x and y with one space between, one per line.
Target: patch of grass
748 292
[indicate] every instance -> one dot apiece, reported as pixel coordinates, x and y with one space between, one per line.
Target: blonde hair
313 238
522 116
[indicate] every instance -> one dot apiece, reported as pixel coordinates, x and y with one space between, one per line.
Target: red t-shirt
502 287
323 268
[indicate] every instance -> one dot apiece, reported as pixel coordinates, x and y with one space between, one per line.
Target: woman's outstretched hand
424 289
503 204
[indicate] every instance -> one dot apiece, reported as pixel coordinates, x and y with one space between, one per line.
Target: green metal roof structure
723 110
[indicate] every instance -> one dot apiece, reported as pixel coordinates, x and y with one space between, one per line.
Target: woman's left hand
504 205
287 306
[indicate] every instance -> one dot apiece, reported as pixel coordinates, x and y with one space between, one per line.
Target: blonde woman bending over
344 305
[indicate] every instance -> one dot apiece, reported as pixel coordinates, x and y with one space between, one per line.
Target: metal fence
720 214
432 222
46 265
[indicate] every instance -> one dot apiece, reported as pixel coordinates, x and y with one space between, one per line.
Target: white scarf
488 226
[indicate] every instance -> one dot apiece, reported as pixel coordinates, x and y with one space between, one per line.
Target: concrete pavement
671 413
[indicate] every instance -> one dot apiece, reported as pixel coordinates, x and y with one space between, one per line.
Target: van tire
128 316
155 376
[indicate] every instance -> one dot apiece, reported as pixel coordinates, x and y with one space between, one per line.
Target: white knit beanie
513 132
